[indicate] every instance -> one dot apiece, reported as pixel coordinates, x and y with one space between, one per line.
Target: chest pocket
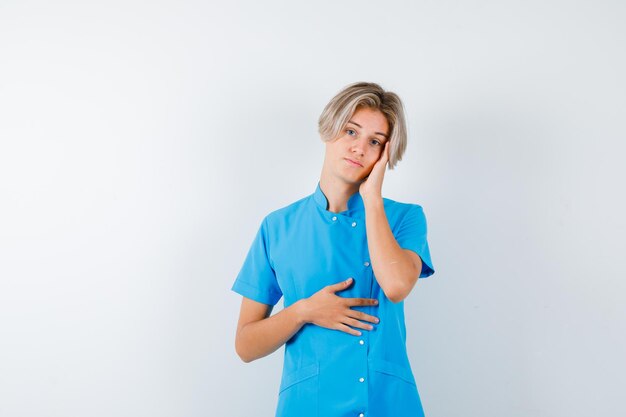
299 393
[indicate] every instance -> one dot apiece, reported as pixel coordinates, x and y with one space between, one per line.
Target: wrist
301 311
373 202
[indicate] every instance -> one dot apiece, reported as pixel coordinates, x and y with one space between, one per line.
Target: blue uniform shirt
303 247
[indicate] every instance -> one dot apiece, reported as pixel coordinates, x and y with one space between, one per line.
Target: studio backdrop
142 143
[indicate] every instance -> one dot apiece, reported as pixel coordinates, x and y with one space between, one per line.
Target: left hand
372 185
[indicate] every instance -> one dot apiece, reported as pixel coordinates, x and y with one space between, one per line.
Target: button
366 263
361 379
361 415
361 342
334 218
353 224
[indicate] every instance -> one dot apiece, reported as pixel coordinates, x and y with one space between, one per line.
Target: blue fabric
303 247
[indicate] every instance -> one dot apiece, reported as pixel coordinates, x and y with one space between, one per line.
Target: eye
350 132
376 142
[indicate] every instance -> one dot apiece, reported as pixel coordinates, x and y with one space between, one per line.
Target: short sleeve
257 279
411 234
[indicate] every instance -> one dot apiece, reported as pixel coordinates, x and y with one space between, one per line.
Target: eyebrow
377 133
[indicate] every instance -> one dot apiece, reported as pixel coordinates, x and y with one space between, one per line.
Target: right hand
326 309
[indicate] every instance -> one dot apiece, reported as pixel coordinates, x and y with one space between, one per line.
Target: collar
355 202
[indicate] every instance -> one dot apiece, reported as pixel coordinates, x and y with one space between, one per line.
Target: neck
337 193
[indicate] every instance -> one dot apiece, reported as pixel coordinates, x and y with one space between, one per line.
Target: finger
340 285
348 330
383 156
362 316
362 301
358 324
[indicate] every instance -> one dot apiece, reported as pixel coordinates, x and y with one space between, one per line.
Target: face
360 144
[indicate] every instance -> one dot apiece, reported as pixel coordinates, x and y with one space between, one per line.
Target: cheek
376 155
370 166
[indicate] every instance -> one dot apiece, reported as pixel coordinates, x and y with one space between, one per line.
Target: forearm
394 269
260 338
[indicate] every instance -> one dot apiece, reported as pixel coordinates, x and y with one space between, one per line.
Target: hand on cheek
371 187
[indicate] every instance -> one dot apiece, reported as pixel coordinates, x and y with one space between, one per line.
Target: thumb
340 285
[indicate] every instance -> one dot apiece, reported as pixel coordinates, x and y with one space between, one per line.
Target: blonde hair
340 109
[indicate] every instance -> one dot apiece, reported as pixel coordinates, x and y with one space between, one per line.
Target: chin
355 178
349 180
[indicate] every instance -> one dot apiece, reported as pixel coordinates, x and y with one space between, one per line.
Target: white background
142 142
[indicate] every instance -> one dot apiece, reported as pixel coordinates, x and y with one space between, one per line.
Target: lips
352 162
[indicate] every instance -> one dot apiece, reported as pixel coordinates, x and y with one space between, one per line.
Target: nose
357 147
